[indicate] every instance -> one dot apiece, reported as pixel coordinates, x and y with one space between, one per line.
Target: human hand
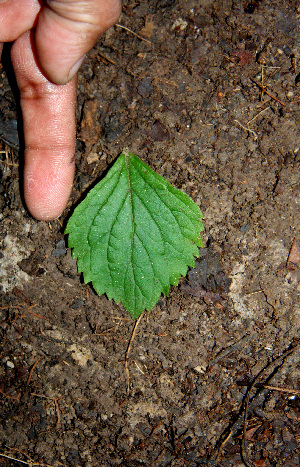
50 41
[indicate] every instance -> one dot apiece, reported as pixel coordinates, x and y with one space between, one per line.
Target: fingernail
75 68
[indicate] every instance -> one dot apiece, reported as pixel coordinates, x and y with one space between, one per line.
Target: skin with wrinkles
51 39
77 24
14 24
49 142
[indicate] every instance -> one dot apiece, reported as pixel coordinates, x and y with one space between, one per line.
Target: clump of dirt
207 94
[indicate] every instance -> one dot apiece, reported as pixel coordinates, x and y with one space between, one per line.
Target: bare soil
207 93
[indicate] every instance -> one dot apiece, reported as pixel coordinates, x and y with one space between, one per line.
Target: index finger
49 131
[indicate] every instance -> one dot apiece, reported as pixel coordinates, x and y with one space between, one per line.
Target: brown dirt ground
210 100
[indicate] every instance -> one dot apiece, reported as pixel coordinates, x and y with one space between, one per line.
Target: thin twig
30 464
9 164
104 332
268 93
247 402
28 310
134 33
270 301
17 460
278 388
257 115
128 351
140 370
53 400
31 371
107 59
16 398
220 449
252 132
262 83
57 411
249 405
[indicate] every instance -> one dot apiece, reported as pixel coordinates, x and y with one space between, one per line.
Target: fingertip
46 209
47 187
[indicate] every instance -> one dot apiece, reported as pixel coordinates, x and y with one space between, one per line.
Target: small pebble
60 249
77 304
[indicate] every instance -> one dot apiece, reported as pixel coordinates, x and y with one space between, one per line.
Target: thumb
67 30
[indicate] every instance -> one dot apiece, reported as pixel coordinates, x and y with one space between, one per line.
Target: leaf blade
134 235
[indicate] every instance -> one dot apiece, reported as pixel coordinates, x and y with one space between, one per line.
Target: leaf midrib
127 159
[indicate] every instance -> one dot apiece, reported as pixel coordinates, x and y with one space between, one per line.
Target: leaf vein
155 222
110 233
166 205
132 216
151 262
165 187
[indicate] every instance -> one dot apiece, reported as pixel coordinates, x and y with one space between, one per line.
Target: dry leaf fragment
243 57
179 25
90 127
250 432
294 255
279 188
147 30
92 157
259 463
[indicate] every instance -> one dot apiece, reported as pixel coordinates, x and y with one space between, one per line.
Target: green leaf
134 235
